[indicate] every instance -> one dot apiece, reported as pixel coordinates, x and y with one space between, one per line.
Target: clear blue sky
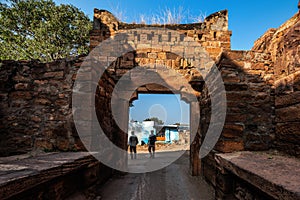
248 20
167 107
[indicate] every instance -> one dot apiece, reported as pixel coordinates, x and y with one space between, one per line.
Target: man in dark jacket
133 141
151 142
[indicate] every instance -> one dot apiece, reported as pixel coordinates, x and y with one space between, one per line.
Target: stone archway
162 72
124 46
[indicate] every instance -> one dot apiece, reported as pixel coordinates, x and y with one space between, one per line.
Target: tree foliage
155 119
39 29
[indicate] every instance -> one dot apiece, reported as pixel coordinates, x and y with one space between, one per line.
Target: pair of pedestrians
133 141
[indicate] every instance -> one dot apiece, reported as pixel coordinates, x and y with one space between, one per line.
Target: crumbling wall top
218 21
104 20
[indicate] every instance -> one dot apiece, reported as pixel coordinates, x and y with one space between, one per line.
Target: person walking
133 141
151 143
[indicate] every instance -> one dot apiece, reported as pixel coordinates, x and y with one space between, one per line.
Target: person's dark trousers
133 150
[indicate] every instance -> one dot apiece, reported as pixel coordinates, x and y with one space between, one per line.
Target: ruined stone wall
283 44
36 106
248 80
262 93
287 104
249 125
212 34
262 88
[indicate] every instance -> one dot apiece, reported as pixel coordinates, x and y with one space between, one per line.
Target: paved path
171 182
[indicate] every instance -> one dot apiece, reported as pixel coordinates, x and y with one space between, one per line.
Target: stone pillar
121 116
195 141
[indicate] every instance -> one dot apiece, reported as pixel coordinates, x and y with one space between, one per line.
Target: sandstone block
62 144
19 78
233 130
43 144
256 145
288 132
143 46
21 95
152 55
231 79
166 48
229 146
36 119
258 66
236 87
288 114
127 64
178 50
162 55
21 86
141 55
238 96
57 75
287 99
42 101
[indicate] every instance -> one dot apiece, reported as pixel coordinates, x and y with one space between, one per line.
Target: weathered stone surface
288 114
212 34
38 114
236 117
288 132
57 75
227 146
277 176
233 130
224 182
21 95
287 99
36 106
21 86
286 37
54 175
209 169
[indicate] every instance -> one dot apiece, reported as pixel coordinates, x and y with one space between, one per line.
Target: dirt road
172 182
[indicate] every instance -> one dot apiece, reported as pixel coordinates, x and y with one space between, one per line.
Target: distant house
164 133
167 133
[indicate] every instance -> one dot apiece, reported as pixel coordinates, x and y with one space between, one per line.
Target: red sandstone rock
229 146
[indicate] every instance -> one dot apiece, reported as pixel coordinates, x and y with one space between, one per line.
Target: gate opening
166 115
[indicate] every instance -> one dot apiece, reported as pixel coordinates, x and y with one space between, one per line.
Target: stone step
50 175
277 176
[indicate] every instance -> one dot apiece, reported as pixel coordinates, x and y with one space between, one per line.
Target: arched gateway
150 59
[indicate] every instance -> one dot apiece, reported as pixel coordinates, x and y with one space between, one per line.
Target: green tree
39 29
155 119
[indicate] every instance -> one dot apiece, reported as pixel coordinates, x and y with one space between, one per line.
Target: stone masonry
266 110
36 97
36 107
262 90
